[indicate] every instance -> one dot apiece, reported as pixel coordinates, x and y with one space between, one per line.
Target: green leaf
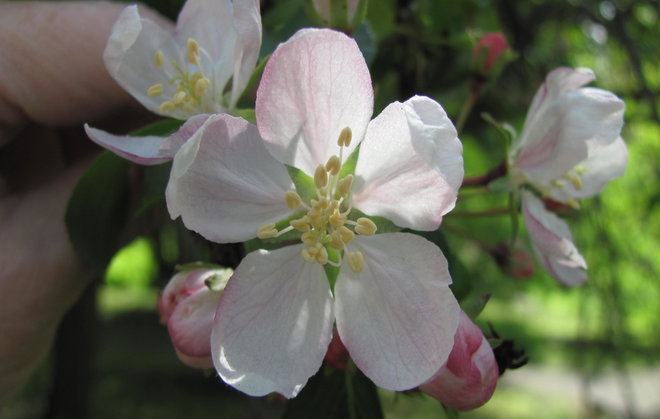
154 182
98 209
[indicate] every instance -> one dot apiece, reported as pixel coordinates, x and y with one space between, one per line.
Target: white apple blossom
391 301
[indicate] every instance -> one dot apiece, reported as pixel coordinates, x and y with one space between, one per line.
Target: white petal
141 150
147 150
398 316
314 85
224 184
558 82
561 136
129 56
247 23
602 165
552 242
273 324
400 173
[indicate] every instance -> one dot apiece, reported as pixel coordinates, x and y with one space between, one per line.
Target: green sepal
348 166
304 183
506 131
474 304
161 128
247 114
332 272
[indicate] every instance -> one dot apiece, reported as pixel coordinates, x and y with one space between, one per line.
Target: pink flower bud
469 377
187 305
487 52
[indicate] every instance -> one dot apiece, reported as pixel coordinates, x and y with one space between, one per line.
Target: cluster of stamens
572 176
189 87
326 222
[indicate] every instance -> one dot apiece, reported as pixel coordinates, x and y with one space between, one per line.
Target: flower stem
483 180
468 105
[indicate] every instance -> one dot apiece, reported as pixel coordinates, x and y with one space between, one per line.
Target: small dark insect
506 354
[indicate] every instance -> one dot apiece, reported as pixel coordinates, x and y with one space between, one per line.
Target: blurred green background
593 351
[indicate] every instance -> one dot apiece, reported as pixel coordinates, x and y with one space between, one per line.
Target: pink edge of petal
140 150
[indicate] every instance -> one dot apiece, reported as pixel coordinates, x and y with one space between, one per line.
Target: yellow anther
575 180
307 256
333 165
346 234
293 200
309 238
159 58
345 137
355 261
558 183
167 106
579 170
337 219
344 186
320 177
201 85
179 97
155 90
316 220
267 231
336 241
365 227
573 203
322 256
192 51
301 224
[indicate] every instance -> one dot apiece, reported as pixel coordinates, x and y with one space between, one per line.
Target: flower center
326 222
190 86
572 176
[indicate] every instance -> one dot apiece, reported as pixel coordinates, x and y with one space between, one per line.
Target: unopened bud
490 54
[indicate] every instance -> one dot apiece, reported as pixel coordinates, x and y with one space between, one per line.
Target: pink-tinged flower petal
410 165
224 184
146 150
273 324
129 55
558 82
564 131
603 164
552 242
186 283
397 317
190 326
469 378
314 85
230 32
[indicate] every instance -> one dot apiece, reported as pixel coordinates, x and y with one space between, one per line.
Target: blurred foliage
424 47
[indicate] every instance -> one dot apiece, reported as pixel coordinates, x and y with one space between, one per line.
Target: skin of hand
52 79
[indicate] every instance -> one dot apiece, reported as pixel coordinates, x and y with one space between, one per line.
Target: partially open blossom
570 146
552 242
488 51
469 377
187 305
391 301
200 68
187 72
344 15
